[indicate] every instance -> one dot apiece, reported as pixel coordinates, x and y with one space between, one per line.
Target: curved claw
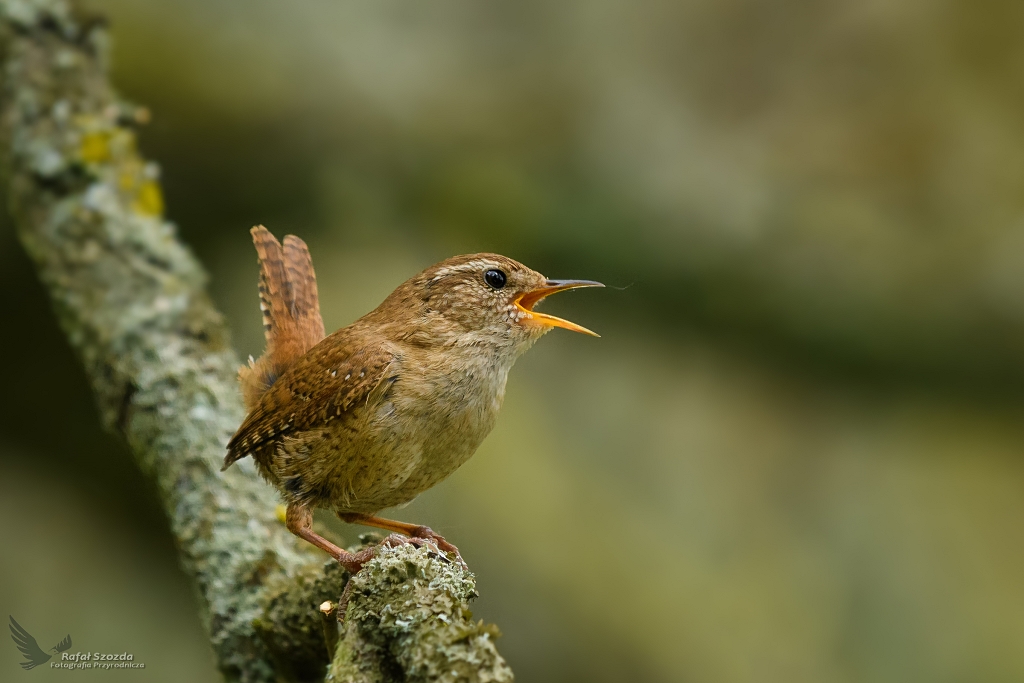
426 533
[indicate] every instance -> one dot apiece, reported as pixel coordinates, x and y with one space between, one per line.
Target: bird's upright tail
291 311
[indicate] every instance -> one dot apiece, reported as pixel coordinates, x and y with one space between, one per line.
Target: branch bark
132 302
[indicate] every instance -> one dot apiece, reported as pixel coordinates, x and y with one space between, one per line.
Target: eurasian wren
376 413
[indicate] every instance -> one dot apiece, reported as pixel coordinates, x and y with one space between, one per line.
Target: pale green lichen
131 300
408 620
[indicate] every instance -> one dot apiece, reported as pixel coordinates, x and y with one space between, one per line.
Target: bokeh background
797 452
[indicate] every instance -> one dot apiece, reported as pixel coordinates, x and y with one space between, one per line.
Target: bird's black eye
495 278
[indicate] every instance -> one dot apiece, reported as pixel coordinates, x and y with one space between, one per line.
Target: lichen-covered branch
408 620
130 298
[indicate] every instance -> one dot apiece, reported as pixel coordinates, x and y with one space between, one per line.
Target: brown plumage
291 310
383 409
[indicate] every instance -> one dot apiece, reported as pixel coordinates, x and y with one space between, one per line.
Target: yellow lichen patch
131 173
150 199
128 178
122 143
94 148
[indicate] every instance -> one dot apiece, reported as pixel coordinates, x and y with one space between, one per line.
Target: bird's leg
411 530
299 520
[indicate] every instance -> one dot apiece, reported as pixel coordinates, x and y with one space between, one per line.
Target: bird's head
482 300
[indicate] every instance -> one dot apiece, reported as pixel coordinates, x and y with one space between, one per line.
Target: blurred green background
797 452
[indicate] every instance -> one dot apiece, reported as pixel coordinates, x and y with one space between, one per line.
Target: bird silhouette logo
27 645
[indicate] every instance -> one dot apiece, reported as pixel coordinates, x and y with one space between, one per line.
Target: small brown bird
378 412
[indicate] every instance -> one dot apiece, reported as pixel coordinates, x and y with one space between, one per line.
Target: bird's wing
64 644
28 646
322 386
291 310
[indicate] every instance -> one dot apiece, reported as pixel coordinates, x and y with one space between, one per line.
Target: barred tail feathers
305 302
291 311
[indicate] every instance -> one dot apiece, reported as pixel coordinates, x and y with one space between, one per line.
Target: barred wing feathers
321 387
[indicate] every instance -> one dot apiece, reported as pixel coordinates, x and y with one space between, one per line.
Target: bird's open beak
526 302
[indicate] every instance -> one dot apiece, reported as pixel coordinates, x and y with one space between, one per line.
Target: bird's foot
426 539
425 533
414 534
353 562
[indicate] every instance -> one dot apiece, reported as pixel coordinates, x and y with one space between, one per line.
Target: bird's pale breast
418 432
